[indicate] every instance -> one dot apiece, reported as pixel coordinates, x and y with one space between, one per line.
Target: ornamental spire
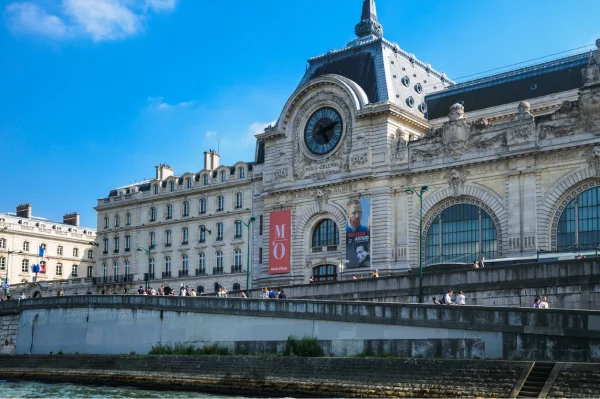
369 24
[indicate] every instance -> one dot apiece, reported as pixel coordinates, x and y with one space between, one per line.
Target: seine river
28 389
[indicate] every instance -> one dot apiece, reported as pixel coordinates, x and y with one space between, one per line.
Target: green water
28 389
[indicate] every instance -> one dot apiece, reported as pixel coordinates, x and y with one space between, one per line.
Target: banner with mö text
280 233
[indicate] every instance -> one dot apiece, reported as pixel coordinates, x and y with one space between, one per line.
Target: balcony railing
236 269
105 252
217 270
325 248
184 243
201 272
168 245
202 241
184 273
116 251
166 275
219 238
74 274
237 236
126 278
127 249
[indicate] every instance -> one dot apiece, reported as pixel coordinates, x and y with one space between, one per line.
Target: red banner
280 242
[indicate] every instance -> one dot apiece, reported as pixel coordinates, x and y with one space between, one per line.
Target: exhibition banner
358 233
280 239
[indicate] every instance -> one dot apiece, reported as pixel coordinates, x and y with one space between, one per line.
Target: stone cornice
80 241
394 111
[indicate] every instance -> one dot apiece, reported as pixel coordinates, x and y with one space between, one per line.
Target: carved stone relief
591 73
398 148
592 155
455 132
360 157
321 199
456 180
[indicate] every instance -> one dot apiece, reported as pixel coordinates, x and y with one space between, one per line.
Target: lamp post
147 251
419 194
252 220
7 282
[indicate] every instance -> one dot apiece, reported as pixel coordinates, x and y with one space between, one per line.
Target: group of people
461 299
165 291
268 293
479 263
541 303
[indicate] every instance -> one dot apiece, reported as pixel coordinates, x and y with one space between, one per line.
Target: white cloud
254 129
100 20
27 17
160 103
210 133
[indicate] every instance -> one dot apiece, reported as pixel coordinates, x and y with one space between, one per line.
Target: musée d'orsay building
512 162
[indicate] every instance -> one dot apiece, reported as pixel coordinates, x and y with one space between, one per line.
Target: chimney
71 219
211 160
163 171
24 211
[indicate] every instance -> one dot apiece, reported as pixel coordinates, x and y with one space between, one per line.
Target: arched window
223 176
156 189
216 285
106 222
75 252
104 270
127 270
325 273
241 172
169 211
325 234
168 265
59 250
579 224
201 264
220 203
238 230
236 286
219 231
172 185
153 214
117 220
205 180
90 271
461 233
184 236
116 271
219 260
128 219
202 234
168 238
152 238
200 289
188 182
237 257
26 246
184 263
186 209
238 200
203 206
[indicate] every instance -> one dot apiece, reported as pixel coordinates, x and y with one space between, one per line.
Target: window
104 270
219 231
90 271
325 234
25 266
117 220
172 186
186 209
184 236
2 243
418 88
59 269
238 230
127 243
168 265
156 189
223 176
205 180
43 266
405 81
260 225
201 263
90 254
116 243
153 214
203 206
75 252
202 234
116 270
169 211
106 222
74 270
461 233
237 257
188 182
579 224
220 203
238 200
260 256
128 219
184 263
26 246
241 172
219 260
105 246
325 273
152 238
3 263
59 250
168 238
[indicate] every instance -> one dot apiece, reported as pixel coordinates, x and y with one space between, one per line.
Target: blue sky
95 93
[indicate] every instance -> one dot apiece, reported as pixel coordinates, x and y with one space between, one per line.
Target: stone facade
70 252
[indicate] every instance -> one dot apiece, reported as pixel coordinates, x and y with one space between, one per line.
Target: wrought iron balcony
201 272
237 236
202 241
166 275
184 243
184 273
116 251
105 252
217 270
127 249
168 245
236 269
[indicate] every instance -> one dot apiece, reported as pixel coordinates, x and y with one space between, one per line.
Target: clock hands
323 131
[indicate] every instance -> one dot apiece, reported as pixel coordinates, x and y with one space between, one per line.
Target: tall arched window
153 214
184 263
117 220
205 180
325 273
219 260
169 211
325 234
237 257
186 209
152 238
220 203
106 222
238 200
127 270
461 233
203 206
579 224
168 238
184 236
172 186
156 189
168 266
223 176
75 252
188 182
241 172
116 271
201 264
90 271
104 270
219 231
202 231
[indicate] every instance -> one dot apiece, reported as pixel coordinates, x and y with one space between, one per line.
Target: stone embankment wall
577 380
277 376
8 333
573 284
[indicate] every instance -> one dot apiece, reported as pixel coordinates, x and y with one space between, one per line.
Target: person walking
460 298
536 303
476 264
375 274
544 303
482 261
448 298
193 293
282 295
140 291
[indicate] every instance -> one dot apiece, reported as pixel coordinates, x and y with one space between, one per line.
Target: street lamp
147 251
7 282
252 220
419 194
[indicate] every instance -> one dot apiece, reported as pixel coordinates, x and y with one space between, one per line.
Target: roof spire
369 24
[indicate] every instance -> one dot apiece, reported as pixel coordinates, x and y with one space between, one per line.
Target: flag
43 267
41 252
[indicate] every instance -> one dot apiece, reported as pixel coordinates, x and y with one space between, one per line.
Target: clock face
323 131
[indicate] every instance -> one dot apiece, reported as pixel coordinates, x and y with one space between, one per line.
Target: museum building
502 166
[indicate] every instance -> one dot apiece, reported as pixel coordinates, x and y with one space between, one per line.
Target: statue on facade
321 199
591 73
593 157
455 131
456 180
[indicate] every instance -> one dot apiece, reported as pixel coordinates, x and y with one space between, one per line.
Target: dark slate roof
530 82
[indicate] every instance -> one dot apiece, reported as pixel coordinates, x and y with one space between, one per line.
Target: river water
29 389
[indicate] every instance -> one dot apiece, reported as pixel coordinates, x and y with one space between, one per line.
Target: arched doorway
461 233
325 273
579 223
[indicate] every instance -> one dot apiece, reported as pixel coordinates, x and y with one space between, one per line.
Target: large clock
323 131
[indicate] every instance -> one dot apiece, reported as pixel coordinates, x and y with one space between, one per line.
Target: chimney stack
71 219
163 171
24 211
211 160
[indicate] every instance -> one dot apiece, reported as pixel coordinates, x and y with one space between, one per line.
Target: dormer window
155 189
172 186
205 180
188 182
223 176
405 80
241 172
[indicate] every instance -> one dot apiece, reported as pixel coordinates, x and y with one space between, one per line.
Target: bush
306 347
189 350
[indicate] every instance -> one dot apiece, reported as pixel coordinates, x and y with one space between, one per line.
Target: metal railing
236 269
201 272
217 270
184 273
166 275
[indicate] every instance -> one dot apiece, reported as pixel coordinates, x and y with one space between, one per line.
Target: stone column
381 229
529 214
513 205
